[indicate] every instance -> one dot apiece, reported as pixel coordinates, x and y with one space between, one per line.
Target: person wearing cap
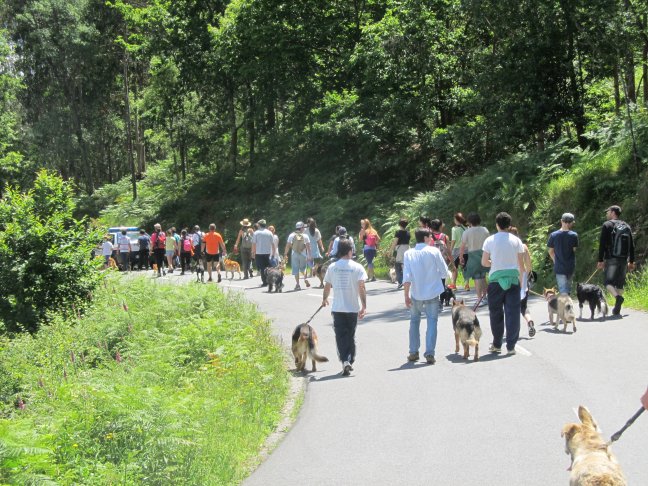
342 235
299 243
616 254
562 246
262 248
245 237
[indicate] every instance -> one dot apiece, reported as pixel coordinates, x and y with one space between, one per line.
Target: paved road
494 422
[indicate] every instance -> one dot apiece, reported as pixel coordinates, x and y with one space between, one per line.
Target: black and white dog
593 295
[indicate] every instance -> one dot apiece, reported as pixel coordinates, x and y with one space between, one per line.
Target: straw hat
245 223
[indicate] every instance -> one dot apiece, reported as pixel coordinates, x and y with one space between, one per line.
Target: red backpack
160 240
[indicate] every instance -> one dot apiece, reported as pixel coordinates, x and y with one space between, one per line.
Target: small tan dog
304 346
593 463
232 266
392 275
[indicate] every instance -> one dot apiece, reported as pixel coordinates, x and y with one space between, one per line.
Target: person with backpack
144 242
186 251
616 254
439 240
370 238
562 246
245 237
158 248
299 243
196 240
400 245
341 236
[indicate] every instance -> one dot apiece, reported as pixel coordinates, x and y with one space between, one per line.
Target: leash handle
617 435
477 304
311 318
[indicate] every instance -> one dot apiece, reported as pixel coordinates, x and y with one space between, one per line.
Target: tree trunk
129 135
617 91
251 129
233 129
630 86
644 60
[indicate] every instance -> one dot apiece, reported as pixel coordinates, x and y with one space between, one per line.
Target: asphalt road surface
492 422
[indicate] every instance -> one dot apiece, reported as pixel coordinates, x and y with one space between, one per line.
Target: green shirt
455 235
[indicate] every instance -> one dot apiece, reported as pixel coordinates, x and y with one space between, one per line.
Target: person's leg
245 262
369 254
432 314
399 273
496 312
414 330
342 335
352 324
512 316
210 263
480 288
563 283
218 266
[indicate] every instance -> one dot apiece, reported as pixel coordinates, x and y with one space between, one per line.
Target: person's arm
406 288
631 265
309 253
325 295
552 254
486 261
528 263
254 248
361 235
362 292
222 245
644 399
602 244
462 250
287 249
521 266
238 238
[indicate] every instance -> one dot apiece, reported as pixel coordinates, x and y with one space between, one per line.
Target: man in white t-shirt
107 250
347 278
124 249
424 267
299 243
263 246
503 252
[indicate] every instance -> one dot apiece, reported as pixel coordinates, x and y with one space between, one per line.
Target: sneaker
494 349
307 283
372 279
484 302
430 359
452 287
617 305
532 330
510 352
297 287
209 279
171 270
413 357
219 278
346 368
400 286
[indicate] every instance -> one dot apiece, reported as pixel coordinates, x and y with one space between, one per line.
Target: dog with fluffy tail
304 347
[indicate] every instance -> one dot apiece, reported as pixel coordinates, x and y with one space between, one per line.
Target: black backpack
621 240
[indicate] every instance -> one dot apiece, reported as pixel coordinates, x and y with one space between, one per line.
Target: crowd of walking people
499 264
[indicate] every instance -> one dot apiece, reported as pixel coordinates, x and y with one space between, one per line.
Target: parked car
133 233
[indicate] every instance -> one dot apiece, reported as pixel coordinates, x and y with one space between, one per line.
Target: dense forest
348 95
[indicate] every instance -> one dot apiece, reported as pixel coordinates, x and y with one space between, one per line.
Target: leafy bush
157 384
45 255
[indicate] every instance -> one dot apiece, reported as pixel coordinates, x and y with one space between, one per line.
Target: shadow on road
337 376
458 358
398 314
411 365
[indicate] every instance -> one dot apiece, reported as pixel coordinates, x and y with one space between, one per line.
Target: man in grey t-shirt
262 248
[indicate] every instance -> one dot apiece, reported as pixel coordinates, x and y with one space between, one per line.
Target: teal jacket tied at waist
505 278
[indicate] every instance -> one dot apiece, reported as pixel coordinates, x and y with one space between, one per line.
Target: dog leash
617 435
592 276
311 318
477 304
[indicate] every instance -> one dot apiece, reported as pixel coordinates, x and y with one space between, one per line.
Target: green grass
636 294
158 384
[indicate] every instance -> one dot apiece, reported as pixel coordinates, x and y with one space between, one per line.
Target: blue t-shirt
563 243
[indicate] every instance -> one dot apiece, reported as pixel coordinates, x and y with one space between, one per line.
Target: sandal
532 330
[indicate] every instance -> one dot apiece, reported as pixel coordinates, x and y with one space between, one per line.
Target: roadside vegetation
157 384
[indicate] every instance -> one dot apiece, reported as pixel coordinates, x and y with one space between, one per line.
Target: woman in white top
317 247
275 259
